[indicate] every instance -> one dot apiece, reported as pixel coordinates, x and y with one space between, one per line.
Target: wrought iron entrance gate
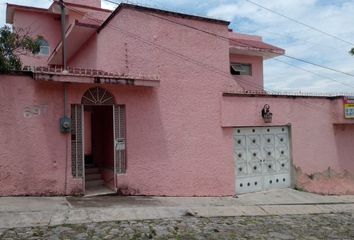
98 96
262 158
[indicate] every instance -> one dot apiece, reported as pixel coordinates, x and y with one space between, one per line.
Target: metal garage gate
262 158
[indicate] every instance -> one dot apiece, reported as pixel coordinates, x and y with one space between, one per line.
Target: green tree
351 51
13 44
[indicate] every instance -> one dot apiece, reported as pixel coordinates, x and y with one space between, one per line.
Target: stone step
97 191
94 183
92 170
92 176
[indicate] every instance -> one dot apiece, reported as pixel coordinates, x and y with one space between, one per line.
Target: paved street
311 226
278 214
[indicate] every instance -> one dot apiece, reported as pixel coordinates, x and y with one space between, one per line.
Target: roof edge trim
142 8
87 7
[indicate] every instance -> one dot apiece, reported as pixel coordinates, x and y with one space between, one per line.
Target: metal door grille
97 96
120 138
76 141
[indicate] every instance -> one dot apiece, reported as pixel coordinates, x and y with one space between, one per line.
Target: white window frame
244 69
45 46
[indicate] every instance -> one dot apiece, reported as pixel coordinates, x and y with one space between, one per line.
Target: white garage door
262 158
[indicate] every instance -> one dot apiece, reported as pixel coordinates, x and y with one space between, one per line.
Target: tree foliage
13 44
351 51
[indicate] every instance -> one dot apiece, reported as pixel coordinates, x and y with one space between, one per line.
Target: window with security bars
241 69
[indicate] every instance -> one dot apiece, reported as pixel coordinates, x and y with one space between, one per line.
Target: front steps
94 184
93 177
98 191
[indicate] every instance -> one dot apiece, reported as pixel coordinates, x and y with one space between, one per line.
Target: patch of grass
37 232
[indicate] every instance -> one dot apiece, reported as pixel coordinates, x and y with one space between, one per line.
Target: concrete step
97 191
92 176
92 170
94 183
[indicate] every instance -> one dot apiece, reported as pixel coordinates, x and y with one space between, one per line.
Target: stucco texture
33 158
38 24
174 129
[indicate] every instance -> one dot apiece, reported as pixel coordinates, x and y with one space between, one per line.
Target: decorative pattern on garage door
262 158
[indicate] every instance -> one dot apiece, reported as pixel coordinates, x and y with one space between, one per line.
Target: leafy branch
13 44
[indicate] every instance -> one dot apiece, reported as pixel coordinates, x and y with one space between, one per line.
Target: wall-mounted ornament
266 114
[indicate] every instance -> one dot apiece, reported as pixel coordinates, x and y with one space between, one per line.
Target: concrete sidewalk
41 211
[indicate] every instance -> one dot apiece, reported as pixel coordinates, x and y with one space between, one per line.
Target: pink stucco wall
91 3
344 142
168 152
48 25
322 153
35 156
168 160
38 24
108 178
255 81
86 14
163 159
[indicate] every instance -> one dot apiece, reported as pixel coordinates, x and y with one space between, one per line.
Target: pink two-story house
159 103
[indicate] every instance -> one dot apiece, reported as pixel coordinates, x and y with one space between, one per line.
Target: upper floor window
43 47
241 69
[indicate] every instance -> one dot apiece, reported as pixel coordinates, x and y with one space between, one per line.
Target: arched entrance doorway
99 135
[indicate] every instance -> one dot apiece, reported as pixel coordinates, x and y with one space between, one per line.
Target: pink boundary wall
167 154
322 139
33 156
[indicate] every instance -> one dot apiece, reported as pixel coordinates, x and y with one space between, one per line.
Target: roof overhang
76 35
254 48
90 76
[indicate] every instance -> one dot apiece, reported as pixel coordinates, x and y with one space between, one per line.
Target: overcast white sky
335 17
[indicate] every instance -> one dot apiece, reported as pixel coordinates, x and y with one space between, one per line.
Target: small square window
43 47
43 50
241 69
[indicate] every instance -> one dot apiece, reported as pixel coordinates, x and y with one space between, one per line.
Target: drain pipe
65 71
62 7
65 123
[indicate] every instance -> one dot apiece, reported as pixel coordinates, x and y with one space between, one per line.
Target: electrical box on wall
65 125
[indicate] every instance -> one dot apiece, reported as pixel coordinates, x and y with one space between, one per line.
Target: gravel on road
312 226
